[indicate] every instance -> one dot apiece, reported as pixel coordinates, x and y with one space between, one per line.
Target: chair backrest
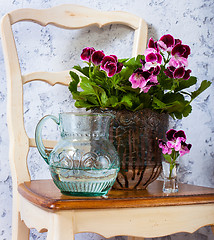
64 16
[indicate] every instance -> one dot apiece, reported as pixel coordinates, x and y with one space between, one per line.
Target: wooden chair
65 16
39 204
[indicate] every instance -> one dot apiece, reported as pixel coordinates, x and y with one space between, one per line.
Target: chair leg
19 230
61 229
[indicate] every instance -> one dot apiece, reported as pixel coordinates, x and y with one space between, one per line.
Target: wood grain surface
45 194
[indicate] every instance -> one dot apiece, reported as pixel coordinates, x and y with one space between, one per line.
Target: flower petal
110 68
119 67
166 42
137 78
165 149
187 74
115 57
179 72
181 50
180 134
169 71
107 59
97 57
86 54
185 148
151 57
153 44
170 133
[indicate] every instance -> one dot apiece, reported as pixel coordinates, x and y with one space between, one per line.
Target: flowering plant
174 147
154 80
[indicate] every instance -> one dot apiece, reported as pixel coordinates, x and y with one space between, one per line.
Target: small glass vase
170 184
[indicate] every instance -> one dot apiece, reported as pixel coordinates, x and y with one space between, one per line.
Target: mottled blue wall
52 49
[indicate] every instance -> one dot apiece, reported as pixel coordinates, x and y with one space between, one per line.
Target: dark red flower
166 42
181 50
87 53
111 65
97 57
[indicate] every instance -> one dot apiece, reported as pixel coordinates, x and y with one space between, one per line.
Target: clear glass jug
84 162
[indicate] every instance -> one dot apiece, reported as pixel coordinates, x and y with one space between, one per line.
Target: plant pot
135 136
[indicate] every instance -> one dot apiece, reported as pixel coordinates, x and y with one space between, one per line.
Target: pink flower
152 58
180 54
87 53
174 139
165 148
176 142
185 148
143 79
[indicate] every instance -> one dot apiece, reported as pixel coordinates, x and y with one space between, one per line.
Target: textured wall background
52 49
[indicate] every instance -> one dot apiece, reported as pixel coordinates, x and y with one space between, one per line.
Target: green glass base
84 194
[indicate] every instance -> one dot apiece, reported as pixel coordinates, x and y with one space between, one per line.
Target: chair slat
74 17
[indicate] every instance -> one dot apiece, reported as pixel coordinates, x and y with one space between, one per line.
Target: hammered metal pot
135 136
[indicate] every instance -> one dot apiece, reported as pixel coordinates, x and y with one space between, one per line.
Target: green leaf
73 84
127 100
86 86
74 76
204 85
157 104
139 107
186 83
84 71
112 101
104 98
178 115
83 104
187 110
92 99
167 157
133 63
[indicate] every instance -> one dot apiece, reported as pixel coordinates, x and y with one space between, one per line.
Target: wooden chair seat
44 193
141 213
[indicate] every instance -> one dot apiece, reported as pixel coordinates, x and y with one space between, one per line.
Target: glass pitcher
84 162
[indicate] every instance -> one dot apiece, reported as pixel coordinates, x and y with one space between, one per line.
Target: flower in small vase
174 147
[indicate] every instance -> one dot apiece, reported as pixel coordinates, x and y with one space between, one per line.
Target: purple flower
169 71
87 53
119 67
187 74
180 54
181 50
166 42
179 72
152 57
153 44
174 139
97 57
185 148
111 65
163 145
143 79
176 61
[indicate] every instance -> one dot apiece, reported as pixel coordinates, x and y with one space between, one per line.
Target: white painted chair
39 204
65 16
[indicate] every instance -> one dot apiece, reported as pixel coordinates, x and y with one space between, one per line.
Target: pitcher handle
38 136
